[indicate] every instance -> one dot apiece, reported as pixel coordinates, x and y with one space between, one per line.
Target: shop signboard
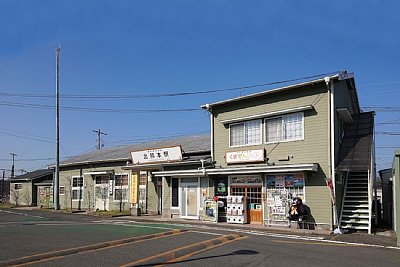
210 210
245 156
165 154
221 186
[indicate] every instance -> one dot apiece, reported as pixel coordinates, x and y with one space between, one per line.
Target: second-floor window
285 128
245 133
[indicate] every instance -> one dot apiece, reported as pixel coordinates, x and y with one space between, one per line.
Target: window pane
293 125
62 190
121 180
274 130
237 134
253 132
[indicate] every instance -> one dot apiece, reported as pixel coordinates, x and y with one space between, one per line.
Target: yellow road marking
171 253
200 251
314 243
92 250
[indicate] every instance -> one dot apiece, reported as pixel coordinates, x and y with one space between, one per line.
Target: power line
85 109
157 95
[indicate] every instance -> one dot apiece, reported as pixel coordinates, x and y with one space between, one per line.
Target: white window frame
119 187
61 194
244 134
282 129
80 188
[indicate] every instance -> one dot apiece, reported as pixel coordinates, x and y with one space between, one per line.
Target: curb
69 251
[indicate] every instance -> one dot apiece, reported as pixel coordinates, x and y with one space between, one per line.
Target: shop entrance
189 197
253 195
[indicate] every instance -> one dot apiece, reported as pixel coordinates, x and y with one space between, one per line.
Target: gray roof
340 76
33 175
189 144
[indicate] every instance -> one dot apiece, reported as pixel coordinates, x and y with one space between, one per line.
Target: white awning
313 167
265 169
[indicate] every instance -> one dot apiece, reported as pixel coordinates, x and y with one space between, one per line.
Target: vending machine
236 211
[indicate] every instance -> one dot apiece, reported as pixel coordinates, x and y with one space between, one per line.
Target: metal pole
57 170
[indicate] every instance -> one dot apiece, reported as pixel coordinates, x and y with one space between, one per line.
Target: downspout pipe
331 90
208 108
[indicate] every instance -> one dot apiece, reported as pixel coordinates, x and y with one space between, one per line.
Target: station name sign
245 156
165 154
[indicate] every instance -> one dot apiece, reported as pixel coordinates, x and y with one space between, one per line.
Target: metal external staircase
356 208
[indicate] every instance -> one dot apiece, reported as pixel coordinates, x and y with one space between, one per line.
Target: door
254 206
189 200
101 193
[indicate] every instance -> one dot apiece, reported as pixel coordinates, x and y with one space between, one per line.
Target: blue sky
156 47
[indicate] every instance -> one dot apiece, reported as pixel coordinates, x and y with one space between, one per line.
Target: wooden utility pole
12 167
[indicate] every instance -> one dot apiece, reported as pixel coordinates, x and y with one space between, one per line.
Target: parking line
314 243
26 260
200 251
198 246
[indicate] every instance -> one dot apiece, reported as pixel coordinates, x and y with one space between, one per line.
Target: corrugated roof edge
32 175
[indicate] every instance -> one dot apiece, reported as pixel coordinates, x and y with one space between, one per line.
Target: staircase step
346 226
356 211
355 221
356 205
356 192
355 216
356 201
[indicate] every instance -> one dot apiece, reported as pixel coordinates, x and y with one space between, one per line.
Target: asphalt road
27 233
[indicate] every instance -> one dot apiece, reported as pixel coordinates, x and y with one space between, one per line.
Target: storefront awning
313 167
265 169
180 173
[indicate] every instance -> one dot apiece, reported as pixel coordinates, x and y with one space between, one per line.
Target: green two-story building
307 140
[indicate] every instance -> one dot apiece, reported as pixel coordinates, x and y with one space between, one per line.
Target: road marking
171 254
98 249
313 243
23 214
64 252
200 251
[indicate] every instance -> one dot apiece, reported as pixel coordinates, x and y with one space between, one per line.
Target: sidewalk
382 238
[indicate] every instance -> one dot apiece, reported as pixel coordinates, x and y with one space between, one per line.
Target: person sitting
297 211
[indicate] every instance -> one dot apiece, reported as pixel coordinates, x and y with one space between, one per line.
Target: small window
62 190
121 192
77 188
77 181
175 193
245 133
285 128
18 186
143 178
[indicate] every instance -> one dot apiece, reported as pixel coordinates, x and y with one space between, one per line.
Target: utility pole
57 170
12 167
99 133
2 187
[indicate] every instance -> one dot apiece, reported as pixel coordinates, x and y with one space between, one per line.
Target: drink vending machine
236 211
